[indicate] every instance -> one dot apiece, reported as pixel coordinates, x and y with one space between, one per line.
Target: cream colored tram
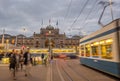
101 49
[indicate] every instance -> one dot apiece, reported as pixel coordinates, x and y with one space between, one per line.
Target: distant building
47 36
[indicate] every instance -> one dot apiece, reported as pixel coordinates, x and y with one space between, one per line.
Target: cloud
16 14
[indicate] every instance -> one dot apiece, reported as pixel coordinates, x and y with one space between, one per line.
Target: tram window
106 49
95 49
87 50
103 51
82 50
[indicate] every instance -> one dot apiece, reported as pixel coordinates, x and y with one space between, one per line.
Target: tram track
71 70
78 73
73 73
56 72
88 73
65 76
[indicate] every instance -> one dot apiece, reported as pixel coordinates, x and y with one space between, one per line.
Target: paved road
71 70
38 73
58 70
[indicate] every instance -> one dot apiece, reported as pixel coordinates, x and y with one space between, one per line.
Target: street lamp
7 45
50 45
24 30
16 41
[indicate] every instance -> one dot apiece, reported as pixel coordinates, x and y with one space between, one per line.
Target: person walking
51 60
27 62
42 56
45 59
17 59
21 60
12 66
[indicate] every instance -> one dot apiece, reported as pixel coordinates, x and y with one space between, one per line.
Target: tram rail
65 75
76 62
81 76
72 71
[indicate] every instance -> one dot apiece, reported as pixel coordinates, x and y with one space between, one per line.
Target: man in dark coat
42 56
27 62
13 62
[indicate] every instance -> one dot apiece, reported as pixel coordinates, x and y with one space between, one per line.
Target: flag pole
57 23
42 23
16 41
49 21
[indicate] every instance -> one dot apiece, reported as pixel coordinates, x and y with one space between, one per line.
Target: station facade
47 36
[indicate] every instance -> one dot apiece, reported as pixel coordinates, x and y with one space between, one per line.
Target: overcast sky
74 16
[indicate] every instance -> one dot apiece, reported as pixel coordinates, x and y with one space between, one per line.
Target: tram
101 49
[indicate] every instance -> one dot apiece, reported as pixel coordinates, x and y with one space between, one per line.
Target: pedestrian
17 59
42 56
12 66
27 62
51 60
21 61
45 59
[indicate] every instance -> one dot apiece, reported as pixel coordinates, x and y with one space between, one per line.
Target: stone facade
47 36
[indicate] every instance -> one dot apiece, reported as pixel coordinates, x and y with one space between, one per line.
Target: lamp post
50 46
16 41
7 45
24 36
50 51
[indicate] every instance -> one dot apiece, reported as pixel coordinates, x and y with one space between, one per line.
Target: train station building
46 36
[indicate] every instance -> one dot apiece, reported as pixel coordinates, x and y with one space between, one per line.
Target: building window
13 41
37 44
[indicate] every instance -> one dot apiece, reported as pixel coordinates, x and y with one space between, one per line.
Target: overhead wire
89 13
68 10
93 14
79 13
80 6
